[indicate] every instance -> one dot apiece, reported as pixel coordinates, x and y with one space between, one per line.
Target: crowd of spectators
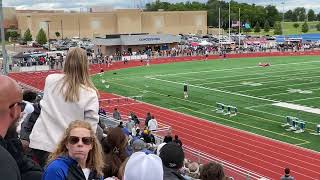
61 137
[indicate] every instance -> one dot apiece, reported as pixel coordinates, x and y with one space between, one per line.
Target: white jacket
152 125
56 114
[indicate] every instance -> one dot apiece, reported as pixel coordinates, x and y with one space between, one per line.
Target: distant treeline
250 13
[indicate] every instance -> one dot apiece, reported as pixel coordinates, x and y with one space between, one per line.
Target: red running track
256 153
253 152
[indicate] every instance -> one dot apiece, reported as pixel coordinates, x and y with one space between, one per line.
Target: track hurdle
231 111
300 126
220 108
288 121
317 133
226 109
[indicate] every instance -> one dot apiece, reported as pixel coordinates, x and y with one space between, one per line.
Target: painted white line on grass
298 107
270 95
278 87
282 116
217 90
231 69
268 75
266 82
304 99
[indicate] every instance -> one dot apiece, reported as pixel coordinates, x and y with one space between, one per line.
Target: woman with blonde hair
78 155
67 96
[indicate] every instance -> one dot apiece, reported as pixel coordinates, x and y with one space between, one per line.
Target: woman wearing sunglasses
78 155
67 96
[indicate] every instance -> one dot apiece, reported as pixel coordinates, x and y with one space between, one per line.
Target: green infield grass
254 90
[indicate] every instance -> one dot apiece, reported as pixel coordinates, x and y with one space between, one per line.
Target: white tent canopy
205 43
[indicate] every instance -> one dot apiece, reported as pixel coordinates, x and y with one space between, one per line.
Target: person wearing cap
139 145
172 157
141 166
287 175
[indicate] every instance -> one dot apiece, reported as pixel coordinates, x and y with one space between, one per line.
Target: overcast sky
77 4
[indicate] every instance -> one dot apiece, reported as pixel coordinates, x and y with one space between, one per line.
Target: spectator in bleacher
78 155
177 140
143 167
116 114
287 175
137 134
67 97
114 147
148 137
148 117
135 118
102 111
120 124
30 98
194 170
13 161
130 124
168 138
10 110
212 171
153 124
172 156
139 145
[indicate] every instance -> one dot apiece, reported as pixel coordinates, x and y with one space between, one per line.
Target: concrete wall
114 22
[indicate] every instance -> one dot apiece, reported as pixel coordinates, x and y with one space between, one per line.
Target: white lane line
214 89
264 73
304 99
231 69
270 95
278 87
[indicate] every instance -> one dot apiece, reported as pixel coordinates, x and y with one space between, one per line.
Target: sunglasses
75 139
21 104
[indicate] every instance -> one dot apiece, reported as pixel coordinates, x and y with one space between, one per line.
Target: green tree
57 34
318 27
277 28
272 15
41 37
13 35
311 15
27 36
257 27
318 17
288 16
296 25
266 26
299 14
305 27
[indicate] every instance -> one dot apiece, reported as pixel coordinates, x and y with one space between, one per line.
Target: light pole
48 29
229 21
4 54
282 17
61 29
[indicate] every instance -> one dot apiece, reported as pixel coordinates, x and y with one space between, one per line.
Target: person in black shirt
177 140
185 90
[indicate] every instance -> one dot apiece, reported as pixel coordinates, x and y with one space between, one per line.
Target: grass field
237 82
